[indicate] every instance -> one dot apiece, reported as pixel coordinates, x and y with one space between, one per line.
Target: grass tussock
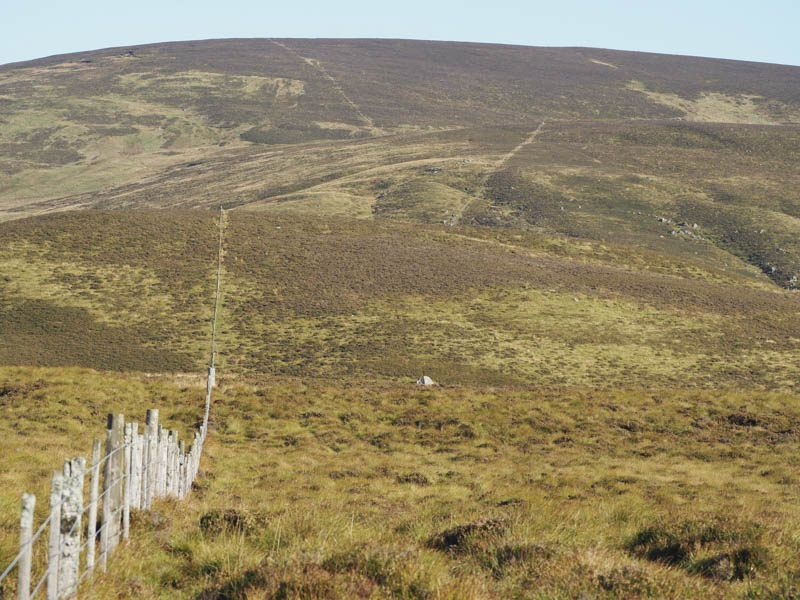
711 547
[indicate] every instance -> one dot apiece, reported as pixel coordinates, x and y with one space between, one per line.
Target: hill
589 143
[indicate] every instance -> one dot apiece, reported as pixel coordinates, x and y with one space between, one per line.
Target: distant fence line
137 469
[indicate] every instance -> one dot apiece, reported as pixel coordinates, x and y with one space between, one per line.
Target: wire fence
136 469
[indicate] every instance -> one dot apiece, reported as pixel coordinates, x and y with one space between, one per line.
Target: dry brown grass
318 490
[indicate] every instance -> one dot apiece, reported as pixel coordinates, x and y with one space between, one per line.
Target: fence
137 469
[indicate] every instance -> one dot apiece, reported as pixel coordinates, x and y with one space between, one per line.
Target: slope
414 131
336 297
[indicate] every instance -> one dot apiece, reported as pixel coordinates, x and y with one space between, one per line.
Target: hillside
344 298
582 142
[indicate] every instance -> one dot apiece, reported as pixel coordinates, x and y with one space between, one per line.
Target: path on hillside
318 66
456 218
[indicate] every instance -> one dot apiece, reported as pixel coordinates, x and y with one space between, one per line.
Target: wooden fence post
127 470
181 469
25 547
161 486
105 532
91 527
116 467
71 513
54 543
134 465
208 405
151 435
197 454
142 453
168 474
174 464
192 459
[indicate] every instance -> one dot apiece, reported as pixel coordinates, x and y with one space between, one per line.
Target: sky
764 31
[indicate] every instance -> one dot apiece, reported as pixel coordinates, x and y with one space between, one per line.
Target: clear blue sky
765 30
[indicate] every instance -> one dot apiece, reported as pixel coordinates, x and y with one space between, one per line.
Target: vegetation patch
715 548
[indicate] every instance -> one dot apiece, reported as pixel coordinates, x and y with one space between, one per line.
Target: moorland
594 253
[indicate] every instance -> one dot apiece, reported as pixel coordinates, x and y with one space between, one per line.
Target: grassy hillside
343 298
418 131
314 490
108 290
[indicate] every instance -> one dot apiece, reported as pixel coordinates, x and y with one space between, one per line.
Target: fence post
126 496
208 404
25 547
54 543
91 527
134 465
181 469
168 473
105 531
212 377
162 461
71 513
142 454
173 446
189 458
114 472
151 434
177 451
195 446
197 452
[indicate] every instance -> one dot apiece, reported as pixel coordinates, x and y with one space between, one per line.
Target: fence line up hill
137 469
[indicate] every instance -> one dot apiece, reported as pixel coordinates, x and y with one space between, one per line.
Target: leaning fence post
126 496
91 527
54 543
25 547
71 512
